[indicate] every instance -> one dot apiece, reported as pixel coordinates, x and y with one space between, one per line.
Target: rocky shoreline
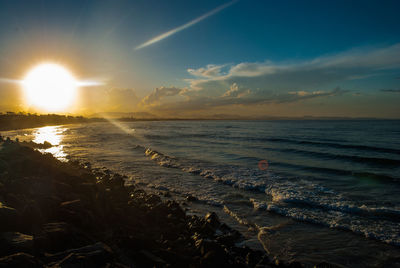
57 214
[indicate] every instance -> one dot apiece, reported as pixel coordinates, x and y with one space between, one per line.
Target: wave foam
298 199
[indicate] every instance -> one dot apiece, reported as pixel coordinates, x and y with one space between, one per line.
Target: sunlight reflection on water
54 135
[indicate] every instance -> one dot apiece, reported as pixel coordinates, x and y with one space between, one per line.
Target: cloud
209 71
184 26
302 95
258 85
235 92
159 93
237 96
314 73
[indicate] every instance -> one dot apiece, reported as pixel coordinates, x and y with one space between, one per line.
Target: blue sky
280 58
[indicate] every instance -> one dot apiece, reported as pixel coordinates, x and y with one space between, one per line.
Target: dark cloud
198 103
391 90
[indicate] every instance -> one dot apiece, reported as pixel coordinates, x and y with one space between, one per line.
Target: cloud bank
250 84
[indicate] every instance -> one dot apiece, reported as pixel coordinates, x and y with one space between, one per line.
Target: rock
148 258
212 219
92 259
214 259
295 264
71 204
88 256
59 236
176 209
13 242
253 257
19 260
31 218
191 198
8 218
265 262
229 238
206 245
324 265
81 214
71 210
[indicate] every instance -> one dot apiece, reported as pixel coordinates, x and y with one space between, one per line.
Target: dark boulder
191 198
212 220
95 255
8 218
13 242
19 260
59 236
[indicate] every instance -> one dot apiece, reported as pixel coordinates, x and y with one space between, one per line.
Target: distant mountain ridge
139 115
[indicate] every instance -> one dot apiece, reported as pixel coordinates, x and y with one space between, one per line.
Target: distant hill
134 115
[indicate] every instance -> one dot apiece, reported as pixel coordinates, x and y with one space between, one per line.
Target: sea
302 190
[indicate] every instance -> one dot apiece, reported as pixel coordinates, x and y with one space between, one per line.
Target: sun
50 87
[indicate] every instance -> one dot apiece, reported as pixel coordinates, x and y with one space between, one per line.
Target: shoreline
61 214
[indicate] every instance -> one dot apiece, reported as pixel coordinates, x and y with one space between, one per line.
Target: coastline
59 214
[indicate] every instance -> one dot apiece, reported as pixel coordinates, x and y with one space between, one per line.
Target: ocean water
308 191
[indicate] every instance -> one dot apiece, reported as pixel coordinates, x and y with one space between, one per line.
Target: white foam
299 199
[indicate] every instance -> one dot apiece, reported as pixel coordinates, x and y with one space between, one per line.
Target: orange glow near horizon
50 87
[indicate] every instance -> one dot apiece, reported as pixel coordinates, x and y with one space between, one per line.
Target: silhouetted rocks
14 242
191 198
58 214
8 217
20 260
44 145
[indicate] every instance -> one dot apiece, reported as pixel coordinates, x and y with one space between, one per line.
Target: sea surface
307 191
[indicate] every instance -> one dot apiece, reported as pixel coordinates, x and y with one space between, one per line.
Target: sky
195 59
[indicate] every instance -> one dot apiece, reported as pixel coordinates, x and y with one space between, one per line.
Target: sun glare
50 87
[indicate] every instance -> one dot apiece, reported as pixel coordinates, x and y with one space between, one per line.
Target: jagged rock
59 236
13 242
324 265
19 260
87 256
8 218
214 259
191 198
71 204
212 219
149 259
31 217
295 264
